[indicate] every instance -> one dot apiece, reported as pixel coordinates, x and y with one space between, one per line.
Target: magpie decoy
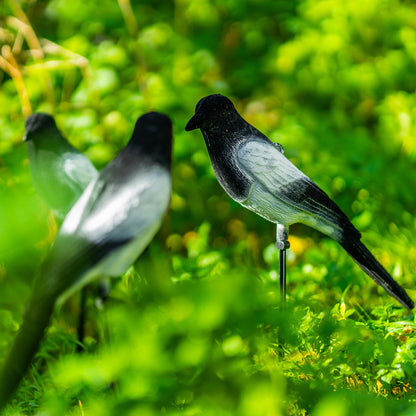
255 173
109 226
60 173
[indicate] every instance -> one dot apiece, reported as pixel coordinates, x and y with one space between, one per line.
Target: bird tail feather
363 257
36 319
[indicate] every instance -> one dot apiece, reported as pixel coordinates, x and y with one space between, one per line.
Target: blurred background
333 82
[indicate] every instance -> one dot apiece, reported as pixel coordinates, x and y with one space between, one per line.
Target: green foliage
195 327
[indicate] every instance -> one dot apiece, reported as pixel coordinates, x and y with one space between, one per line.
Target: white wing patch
79 169
142 202
265 163
73 219
135 221
281 193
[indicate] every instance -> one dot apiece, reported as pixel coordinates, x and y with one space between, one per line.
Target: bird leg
282 243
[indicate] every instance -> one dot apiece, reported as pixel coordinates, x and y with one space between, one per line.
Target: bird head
38 123
210 111
154 123
153 134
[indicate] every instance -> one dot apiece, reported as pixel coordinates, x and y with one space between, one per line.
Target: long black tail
362 256
36 319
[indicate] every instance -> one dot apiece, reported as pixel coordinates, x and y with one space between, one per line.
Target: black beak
192 124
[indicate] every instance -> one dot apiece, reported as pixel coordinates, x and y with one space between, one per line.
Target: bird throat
221 150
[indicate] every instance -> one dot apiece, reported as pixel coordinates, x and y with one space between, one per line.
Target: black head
154 123
212 110
153 134
38 124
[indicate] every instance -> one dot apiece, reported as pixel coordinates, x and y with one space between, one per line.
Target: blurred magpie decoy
106 230
254 172
60 173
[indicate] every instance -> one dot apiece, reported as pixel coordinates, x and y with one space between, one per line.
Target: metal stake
282 243
82 319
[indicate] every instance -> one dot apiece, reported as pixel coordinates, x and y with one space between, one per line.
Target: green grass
196 333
